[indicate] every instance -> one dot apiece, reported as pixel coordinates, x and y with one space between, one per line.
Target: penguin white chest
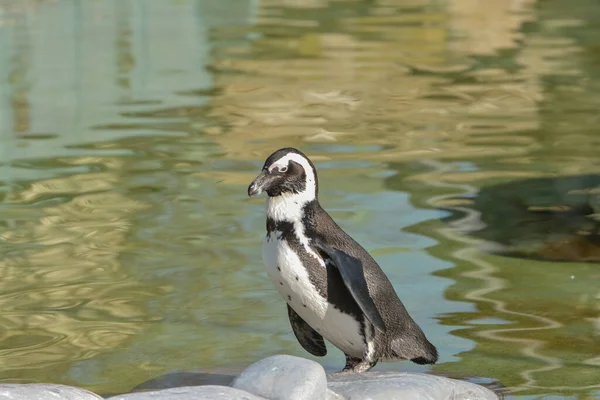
292 281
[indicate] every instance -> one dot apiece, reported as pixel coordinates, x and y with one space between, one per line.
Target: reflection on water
130 129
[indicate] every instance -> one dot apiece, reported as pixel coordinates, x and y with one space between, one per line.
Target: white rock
284 377
43 391
404 385
209 392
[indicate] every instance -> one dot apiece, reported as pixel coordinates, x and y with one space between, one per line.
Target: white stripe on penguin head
310 187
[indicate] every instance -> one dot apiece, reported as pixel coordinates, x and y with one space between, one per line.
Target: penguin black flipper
310 340
352 273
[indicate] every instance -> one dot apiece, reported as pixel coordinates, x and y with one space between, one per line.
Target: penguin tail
420 351
430 355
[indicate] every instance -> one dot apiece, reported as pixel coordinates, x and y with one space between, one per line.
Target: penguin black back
403 338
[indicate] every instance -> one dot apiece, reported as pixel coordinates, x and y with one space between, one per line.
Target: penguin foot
351 362
357 365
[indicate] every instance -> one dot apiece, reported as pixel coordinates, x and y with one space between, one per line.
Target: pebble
275 378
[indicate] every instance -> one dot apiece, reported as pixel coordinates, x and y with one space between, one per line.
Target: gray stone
42 391
404 385
284 377
209 392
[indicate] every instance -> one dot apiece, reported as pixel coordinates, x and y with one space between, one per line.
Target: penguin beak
260 184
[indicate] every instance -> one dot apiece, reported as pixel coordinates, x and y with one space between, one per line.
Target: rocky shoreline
283 377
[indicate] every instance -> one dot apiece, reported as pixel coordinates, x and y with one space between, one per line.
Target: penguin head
286 172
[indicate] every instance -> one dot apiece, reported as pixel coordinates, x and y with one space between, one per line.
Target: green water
130 129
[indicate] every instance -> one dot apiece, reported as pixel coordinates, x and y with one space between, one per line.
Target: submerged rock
210 392
547 218
43 391
285 377
405 385
198 377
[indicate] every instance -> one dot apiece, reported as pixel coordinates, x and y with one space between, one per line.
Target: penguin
333 288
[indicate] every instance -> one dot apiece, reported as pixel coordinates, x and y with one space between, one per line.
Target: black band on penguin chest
327 280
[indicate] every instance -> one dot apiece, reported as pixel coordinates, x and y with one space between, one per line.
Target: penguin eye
283 169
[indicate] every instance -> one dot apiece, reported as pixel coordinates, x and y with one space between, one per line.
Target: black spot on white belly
281 283
278 268
297 277
289 297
